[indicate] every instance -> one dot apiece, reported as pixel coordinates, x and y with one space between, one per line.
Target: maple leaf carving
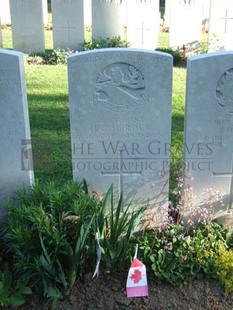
136 276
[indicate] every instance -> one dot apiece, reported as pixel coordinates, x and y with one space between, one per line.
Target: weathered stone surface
120 110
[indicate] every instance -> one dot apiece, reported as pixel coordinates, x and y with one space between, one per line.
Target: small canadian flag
136 285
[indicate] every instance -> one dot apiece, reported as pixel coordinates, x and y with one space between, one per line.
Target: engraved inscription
6 81
224 91
187 2
120 87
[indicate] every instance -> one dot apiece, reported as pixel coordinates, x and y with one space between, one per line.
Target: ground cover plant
49 238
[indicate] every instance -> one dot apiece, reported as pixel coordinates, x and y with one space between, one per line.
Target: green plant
177 255
12 291
177 57
104 43
47 234
51 57
115 226
224 262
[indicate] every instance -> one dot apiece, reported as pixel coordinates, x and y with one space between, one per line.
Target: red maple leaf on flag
136 276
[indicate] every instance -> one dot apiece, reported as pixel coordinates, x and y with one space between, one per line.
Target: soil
108 293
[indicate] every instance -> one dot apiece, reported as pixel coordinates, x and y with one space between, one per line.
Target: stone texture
120 111
68 24
208 153
27 25
15 153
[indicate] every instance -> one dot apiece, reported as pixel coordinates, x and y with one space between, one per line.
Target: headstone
221 25
27 25
143 18
1 45
167 13
108 18
209 128
15 153
5 12
120 112
68 24
206 15
45 11
185 23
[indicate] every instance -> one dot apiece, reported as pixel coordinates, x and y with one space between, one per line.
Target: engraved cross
68 27
121 173
226 20
229 175
142 32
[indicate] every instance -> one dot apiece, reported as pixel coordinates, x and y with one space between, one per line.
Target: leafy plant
104 43
177 57
224 262
177 254
115 226
12 291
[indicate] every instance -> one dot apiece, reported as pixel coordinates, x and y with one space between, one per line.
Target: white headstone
120 111
143 18
221 25
68 24
167 13
209 126
185 22
45 11
206 14
27 25
15 153
5 12
108 18
87 13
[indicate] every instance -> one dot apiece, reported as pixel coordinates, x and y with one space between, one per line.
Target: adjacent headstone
108 18
206 15
208 152
120 112
5 12
185 22
1 45
167 14
27 25
15 153
143 18
45 11
221 25
68 24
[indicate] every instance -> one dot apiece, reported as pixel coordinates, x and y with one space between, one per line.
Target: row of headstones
120 116
109 19
184 18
